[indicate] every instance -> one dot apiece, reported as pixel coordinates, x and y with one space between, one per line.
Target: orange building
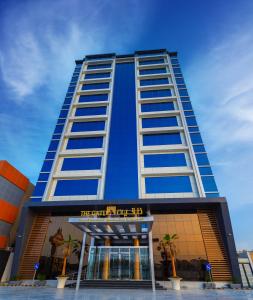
15 189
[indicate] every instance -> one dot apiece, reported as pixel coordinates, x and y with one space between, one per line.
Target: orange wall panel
8 212
13 175
3 241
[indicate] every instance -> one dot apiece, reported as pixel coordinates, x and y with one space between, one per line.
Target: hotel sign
113 211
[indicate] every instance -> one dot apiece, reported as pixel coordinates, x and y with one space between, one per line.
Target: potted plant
67 250
168 248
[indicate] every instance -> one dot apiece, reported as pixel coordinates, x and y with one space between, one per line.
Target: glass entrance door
121 262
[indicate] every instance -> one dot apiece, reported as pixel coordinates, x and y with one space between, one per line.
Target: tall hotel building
125 166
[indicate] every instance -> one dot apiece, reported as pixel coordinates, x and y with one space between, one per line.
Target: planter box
209 285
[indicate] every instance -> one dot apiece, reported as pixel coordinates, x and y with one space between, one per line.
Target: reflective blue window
159 122
151 61
174 61
53 145
101 66
183 93
47 165
85 143
193 129
196 138
161 106
177 70
56 136
76 187
154 81
50 155
68 100
58 128
43 177
71 89
74 78
212 195
188 113
97 75
191 121
66 106
96 86
156 93
69 95
209 183
88 126
81 163
205 171
91 111
172 184
92 98
63 113
39 189
199 148
153 71
164 160
161 139
180 81
202 159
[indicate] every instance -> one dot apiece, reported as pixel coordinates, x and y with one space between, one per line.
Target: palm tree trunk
64 266
174 273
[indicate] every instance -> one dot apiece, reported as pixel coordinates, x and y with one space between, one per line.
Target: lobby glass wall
191 254
120 261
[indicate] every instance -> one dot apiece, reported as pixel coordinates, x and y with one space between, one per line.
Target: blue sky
41 39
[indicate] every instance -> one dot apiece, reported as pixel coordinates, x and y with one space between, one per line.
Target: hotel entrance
125 263
120 249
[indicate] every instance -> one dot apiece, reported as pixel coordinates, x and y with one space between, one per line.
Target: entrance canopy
114 227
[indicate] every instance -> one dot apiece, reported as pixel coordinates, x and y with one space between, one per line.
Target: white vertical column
81 263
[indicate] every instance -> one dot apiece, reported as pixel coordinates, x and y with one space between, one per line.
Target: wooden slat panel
215 250
34 246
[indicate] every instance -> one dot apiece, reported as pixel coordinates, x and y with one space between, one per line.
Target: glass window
101 66
43 177
193 129
188 113
160 106
180 80
56 136
88 126
66 106
76 187
196 138
47 165
156 93
74 78
91 111
183 93
85 143
205 171
199 148
164 160
209 183
174 61
172 184
68 100
161 139
177 70
159 122
97 75
53 145
71 89
39 189
96 86
94 97
154 81
191 121
58 128
212 195
81 163
50 155
63 113
153 71
151 61
202 159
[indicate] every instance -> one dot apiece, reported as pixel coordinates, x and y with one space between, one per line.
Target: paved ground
25 293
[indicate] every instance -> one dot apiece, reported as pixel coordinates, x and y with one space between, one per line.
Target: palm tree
168 250
69 245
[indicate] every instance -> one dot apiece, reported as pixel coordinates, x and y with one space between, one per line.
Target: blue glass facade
100 130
